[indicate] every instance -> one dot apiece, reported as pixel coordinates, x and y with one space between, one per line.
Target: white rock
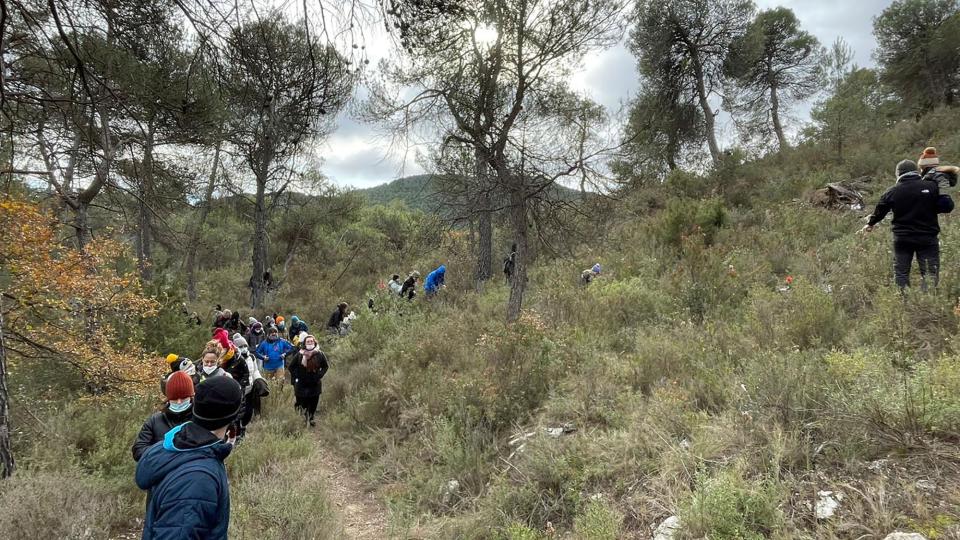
827 504
667 529
905 536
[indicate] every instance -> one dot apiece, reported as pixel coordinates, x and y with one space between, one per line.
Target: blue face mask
179 407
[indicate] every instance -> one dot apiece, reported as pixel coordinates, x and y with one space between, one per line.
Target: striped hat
928 158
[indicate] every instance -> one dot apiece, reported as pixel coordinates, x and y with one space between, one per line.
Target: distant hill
418 192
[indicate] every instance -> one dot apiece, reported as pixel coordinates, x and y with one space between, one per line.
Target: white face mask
312 346
209 369
243 351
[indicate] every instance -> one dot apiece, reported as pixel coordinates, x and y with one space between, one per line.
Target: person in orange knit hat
176 410
944 175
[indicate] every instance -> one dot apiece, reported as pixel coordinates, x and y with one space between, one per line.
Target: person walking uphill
434 281
337 318
307 369
297 326
915 203
409 287
177 410
188 496
272 352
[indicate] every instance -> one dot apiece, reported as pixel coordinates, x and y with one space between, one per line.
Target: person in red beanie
176 410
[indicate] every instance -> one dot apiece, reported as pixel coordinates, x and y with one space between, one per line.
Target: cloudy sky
356 155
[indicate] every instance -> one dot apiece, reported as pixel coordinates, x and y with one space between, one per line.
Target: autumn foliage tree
79 309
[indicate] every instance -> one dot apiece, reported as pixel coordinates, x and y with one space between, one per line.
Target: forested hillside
740 366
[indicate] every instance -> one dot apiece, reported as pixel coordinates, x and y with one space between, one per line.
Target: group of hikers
209 404
916 199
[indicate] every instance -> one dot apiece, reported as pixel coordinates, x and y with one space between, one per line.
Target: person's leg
247 409
311 404
928 258
902 260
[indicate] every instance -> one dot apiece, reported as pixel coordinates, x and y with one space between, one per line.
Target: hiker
915 202
434 281
307 369
409 288
271 352
236 367
188 495
235 324
212 357
281 324
222 320
255 388
945 176
510 262
588 275
337 318
176 410
297 326
395 284
255 334
194 319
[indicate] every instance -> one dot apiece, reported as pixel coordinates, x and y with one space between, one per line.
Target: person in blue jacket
272 351
434 281
187 491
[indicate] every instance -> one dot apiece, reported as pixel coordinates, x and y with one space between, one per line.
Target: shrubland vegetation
742 351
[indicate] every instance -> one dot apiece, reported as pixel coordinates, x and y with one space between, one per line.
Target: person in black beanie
186 482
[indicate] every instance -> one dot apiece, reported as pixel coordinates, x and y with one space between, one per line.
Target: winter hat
187 366
596 268
217 402
257 327
280 319
171 358
928 158
239 341
904 167
294 319
222 337
179 386
251 321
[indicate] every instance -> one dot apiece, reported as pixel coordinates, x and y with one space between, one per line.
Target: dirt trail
363 517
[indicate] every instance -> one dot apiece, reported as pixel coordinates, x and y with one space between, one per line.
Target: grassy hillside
692 379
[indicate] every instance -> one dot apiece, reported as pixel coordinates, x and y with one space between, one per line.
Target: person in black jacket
337 317
915 203
307 369
409 288
177 410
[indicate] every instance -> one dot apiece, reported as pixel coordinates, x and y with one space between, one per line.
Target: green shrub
598 522
725 505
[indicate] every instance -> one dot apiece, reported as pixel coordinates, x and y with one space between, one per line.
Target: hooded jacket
155 427
188 494
273 352
915 205
435 279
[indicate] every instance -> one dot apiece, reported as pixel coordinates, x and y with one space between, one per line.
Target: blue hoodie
187 492
434 279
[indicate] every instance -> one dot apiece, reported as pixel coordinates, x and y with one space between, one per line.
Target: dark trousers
927 252
307 405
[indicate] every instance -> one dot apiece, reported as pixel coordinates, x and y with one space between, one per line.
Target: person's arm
324 366
884 206
144 439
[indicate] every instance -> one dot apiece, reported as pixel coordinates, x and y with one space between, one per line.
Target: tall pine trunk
518 221
709 121
6 452
257 286
191 261
775 115
485 221
145 226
